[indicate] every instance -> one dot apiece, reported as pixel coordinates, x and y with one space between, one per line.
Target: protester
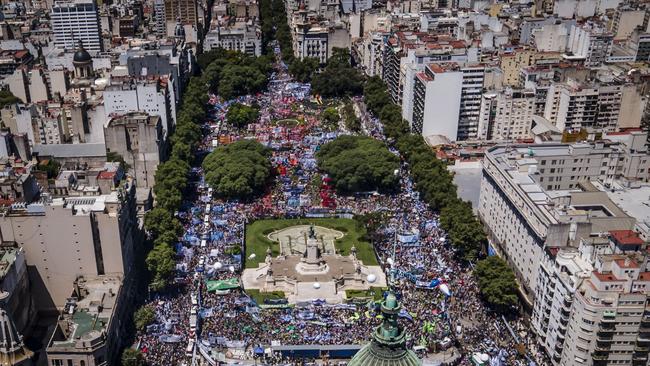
410 238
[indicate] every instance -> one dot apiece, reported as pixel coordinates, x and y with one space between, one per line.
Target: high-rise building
436 101
589 42
73 21
507 114
160 18
575 106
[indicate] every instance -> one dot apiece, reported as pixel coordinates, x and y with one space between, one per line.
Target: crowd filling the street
206 314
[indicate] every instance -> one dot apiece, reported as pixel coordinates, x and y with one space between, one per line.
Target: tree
132 357
352 122
51 167
359 164
330 116
241 115
497 283
464 230
160 262
239 170
239 80
339 78
302 70
159 221
7 98
144 316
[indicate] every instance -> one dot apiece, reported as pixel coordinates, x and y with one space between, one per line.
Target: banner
222 285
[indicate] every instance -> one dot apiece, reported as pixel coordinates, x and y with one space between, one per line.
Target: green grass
376 293
259 297
257 241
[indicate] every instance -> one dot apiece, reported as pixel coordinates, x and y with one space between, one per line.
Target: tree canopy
463 229
132 357
358 164
303 70
241 115
7 98
273 18
239 170
339 78
497 283
330 115
144 316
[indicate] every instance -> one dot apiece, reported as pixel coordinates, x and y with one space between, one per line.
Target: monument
309 268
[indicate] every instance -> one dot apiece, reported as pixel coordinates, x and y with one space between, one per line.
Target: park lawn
259 297
257 241
376 293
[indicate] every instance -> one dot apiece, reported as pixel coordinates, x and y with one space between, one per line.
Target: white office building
73 21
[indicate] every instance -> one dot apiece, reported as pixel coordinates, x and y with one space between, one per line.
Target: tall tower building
73 21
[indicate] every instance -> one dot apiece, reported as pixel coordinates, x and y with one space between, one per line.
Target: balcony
641 349
640 357
607 328
605 338
599 357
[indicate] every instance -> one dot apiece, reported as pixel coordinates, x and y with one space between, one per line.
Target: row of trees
273 17
359 164
436 187
238 170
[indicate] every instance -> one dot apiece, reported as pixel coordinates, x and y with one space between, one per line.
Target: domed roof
388 345
81 55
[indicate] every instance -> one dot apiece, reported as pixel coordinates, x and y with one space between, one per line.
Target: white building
73 21
589 42
531 199
550 37
437 101
238 37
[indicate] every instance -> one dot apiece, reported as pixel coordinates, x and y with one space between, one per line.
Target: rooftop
87 316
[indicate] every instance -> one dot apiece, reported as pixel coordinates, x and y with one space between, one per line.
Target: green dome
388 344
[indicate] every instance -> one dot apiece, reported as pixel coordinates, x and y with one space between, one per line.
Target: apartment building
532 197
185 11
438 92
73 21
470 101
561 273
609 323
590 42
575 106
507 114
64 238
239 36
140 139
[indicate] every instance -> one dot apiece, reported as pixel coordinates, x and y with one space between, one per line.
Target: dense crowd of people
194 320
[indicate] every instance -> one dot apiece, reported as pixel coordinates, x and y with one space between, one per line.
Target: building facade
76 20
